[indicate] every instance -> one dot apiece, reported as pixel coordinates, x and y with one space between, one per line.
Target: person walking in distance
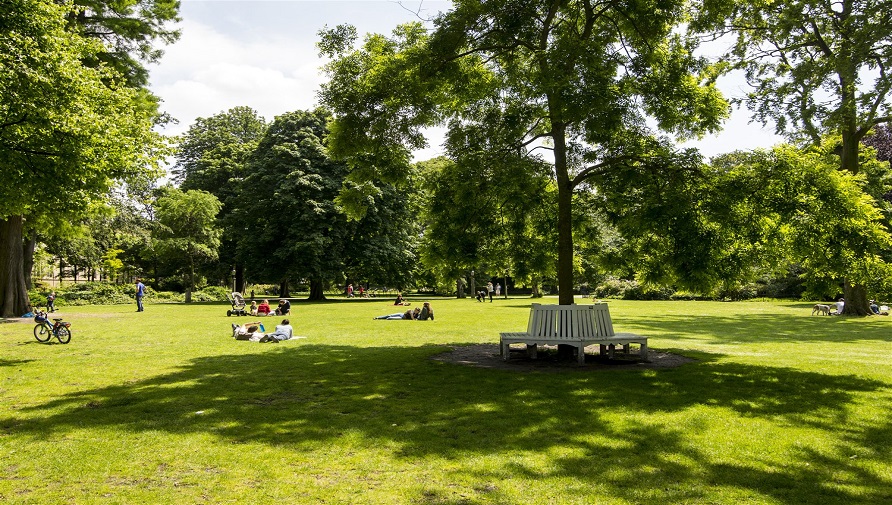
489 290
140 292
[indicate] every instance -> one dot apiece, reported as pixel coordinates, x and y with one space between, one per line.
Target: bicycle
43 331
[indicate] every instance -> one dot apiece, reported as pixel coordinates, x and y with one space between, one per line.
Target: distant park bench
575 325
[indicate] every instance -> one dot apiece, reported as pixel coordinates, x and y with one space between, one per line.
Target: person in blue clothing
51 302
140 292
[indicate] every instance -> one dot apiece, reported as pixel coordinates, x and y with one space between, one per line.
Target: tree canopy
577 78
817 68
67 131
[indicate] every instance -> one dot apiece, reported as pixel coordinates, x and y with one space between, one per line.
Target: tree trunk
564 218
316 292
190 284
473 285
855 294
14 299
240 278
460 288
856 300
285 289
28 260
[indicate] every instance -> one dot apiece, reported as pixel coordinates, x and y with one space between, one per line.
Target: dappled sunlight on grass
358 407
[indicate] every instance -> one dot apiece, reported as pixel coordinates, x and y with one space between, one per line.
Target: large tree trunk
855 294
316 291
14 299
460 288
285 289
190 284
564 218
28 260
856 300
240 278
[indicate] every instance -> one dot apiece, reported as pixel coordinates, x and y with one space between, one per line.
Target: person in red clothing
263 309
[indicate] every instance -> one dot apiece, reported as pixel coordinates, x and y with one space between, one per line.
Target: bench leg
532 351
581 354
626 348
504 350
643 351
602 349
610 349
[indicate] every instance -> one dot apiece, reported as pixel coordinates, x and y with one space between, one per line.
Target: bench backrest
571 322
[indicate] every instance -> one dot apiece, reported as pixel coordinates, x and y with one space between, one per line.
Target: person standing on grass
140 292
489 289
51 302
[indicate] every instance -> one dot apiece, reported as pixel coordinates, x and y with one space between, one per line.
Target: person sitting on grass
840 306
399 300
263 309
426 312
283 331
284 308
253 309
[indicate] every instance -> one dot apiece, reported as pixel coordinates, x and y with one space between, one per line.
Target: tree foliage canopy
579 78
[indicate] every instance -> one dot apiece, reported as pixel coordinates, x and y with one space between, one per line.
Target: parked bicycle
43 331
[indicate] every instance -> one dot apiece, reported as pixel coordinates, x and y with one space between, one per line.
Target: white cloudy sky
262 54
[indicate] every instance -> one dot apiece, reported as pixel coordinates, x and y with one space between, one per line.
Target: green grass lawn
165 407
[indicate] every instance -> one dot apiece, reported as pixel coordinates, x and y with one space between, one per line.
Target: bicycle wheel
42 333
64 335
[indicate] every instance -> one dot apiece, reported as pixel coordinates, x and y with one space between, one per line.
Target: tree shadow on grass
394 397
14 362
751 328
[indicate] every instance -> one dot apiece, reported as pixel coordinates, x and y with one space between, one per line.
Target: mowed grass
165 407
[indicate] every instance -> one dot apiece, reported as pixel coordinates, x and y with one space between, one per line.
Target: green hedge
103 293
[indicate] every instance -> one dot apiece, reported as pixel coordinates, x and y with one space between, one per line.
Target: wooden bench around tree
576 325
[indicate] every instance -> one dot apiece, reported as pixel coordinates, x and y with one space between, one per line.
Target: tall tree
67 131
293 229
817 67
188 234
212 156
128 30
581 75
772 208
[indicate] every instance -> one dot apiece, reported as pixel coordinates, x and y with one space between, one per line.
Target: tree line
561 158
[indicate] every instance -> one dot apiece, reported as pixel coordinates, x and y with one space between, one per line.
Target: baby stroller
238 305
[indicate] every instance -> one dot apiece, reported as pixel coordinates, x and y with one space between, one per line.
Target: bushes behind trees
103 293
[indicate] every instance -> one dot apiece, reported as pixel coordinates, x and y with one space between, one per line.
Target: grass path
165 407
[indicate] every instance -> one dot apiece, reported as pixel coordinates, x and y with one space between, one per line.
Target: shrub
211 294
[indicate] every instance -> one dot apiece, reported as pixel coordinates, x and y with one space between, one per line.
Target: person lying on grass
418 314
283 332
248 331
408 315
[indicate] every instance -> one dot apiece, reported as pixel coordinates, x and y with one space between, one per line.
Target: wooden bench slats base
576 325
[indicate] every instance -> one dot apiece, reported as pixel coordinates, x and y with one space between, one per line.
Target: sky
262 54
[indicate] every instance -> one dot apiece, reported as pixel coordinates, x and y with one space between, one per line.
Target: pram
238 305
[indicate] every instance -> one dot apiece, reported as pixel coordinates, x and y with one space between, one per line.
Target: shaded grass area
164 406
